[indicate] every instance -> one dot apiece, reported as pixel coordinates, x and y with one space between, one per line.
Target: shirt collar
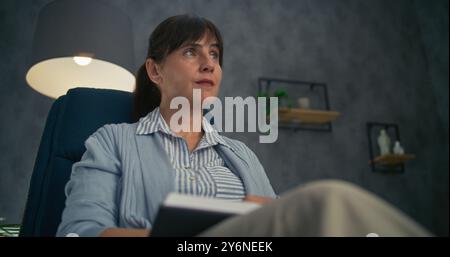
154 122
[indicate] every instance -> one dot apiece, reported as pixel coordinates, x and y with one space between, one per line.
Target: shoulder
234 143
109 135
111 131
240 148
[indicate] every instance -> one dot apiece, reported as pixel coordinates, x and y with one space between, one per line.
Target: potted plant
283 98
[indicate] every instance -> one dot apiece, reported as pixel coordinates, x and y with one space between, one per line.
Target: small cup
303 102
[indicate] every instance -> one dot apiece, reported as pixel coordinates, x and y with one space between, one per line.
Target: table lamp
81 43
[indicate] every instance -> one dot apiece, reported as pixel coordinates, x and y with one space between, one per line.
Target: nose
206 64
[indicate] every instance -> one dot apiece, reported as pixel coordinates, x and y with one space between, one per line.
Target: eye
215 54
189 52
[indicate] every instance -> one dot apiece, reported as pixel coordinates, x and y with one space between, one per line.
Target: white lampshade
81 43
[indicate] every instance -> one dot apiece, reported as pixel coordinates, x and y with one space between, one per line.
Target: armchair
71 120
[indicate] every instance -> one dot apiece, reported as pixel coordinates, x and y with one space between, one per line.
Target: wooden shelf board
393 159
306 115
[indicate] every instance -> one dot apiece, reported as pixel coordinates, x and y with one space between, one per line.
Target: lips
205 83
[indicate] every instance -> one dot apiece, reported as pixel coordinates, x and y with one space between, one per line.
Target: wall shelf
393 159
389 163
315 119
307 116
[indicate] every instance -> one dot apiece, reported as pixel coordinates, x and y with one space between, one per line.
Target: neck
194 118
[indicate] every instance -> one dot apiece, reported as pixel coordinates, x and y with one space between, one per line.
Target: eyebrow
196 45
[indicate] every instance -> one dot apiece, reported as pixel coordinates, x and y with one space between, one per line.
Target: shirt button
192 178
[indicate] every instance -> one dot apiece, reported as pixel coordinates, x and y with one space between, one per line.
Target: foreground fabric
323 208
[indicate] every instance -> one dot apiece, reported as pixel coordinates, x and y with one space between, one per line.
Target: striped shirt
202 172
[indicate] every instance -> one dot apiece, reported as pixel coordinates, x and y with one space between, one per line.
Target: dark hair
168 36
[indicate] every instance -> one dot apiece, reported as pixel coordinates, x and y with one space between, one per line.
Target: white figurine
384 142
398 149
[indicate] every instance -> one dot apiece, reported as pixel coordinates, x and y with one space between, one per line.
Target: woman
128 169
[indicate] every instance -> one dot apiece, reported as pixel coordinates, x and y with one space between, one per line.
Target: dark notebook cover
182 215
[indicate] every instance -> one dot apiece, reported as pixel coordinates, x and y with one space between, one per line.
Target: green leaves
283 98
280 93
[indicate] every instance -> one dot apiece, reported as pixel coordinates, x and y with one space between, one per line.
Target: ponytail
146 95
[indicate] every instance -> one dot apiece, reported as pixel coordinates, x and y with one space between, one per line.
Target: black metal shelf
392 129
265 84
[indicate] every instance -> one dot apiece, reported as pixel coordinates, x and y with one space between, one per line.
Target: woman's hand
258 199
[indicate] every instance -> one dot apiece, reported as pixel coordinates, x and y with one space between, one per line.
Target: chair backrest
71 120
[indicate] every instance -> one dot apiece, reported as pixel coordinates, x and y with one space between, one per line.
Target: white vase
303 102
384 143
398 149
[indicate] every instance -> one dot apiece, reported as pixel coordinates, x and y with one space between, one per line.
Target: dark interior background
384 61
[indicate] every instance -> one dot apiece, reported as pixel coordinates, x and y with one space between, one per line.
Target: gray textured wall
433 20
371 53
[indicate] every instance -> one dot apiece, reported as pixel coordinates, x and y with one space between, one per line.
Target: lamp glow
53 77
61 61
81 60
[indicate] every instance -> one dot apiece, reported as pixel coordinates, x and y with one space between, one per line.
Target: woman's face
193 65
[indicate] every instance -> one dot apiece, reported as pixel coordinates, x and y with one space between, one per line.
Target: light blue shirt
123 177
202 172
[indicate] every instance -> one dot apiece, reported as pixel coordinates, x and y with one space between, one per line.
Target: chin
207 94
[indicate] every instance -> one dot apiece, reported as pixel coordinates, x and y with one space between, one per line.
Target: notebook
187 215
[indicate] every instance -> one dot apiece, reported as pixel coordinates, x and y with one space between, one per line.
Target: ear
153 71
